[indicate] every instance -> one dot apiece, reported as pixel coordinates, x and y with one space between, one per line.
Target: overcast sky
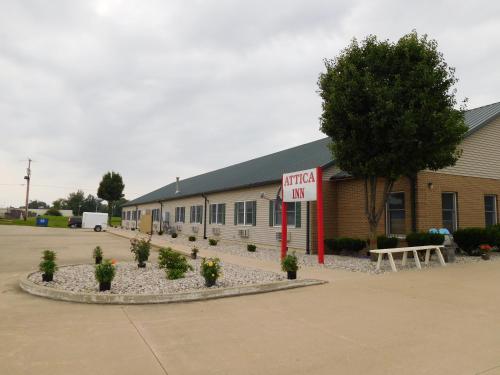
159 89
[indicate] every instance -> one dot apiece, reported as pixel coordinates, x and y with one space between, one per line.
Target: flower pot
193 255
104 286
209 282
485 256
141 265
47 277
98 260
291 275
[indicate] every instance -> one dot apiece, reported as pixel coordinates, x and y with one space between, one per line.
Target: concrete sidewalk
434 321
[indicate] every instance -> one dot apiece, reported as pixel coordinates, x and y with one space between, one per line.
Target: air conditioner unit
178 227
244 233
288 236
194 229
216 231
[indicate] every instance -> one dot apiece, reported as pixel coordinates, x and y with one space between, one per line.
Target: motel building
238 203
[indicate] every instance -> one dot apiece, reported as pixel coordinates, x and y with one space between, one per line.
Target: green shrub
424 239
53 212
141 249
160 232
290 263
344 244
212 242
174 235
384 242
469 239
105 272
97 253
48 264
174 263
251 248
210 270
192 238
49 255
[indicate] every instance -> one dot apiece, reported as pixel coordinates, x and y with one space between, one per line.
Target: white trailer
95 220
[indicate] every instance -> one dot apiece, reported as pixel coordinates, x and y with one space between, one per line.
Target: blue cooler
42 222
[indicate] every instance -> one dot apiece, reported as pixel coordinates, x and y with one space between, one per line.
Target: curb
140 299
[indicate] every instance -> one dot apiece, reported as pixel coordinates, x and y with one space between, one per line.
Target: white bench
405 250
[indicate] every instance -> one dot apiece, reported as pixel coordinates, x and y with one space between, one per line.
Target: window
155 213
134 215
396 214
180 214
217 213
490 209
245 213
195 214
128 215
292 213
449 207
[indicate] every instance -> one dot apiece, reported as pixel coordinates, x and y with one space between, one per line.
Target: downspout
308 228
205 217
414 190
161 216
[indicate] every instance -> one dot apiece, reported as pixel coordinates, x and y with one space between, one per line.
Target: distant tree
389 109
37 204
75 202
60 204
111 190
117 209
53 212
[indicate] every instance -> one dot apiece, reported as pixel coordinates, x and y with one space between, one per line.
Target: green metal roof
269 168
478 117
255 172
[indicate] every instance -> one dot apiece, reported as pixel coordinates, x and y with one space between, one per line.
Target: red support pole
284 234
319 211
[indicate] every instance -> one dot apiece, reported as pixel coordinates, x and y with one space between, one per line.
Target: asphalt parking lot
435 321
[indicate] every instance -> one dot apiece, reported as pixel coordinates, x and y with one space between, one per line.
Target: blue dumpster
42 222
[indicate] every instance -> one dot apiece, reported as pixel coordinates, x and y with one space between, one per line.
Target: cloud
157 89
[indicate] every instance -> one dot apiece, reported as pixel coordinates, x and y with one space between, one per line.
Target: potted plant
485 251
210 270
97 254
141 249
251 248
48 265
174 235
104 274
160 233
174 263
192 238
212 242
289 264
194 253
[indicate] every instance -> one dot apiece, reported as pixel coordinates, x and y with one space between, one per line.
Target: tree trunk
110 212
374 209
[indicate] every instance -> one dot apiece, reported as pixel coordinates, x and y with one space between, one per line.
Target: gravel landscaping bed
350 263
130 279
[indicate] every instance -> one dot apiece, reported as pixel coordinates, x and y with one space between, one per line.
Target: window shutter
254 218
271 213
191 209
223 207
201 214
298 214
210 208
235 213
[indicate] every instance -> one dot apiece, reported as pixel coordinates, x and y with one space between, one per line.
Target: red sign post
303 186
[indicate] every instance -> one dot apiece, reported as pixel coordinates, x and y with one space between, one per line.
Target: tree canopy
111 190
389 109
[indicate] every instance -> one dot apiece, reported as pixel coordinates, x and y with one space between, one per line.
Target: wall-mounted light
430 185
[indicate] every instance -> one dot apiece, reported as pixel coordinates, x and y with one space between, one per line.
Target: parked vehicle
97 221
75 222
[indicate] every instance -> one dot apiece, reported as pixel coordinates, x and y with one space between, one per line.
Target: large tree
390 110
37 204
111 190
75 202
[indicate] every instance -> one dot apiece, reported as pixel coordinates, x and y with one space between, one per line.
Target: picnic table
405 251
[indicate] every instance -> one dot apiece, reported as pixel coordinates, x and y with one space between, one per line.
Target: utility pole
27 178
